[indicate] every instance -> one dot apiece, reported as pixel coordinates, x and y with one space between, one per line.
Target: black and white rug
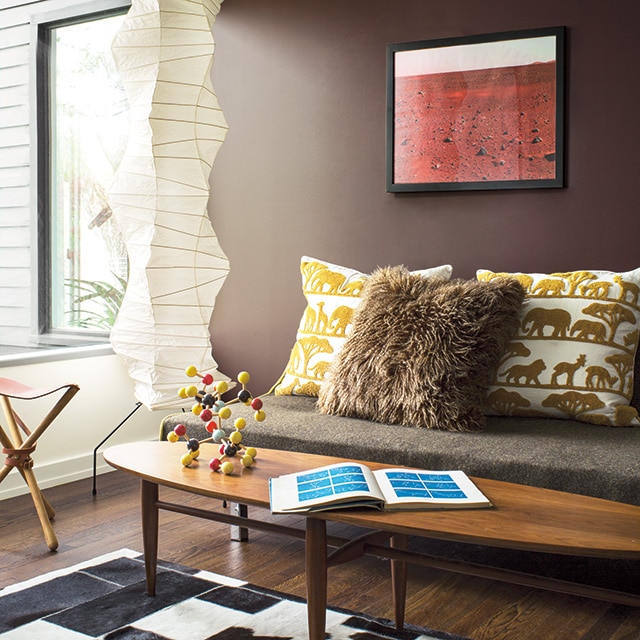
106 598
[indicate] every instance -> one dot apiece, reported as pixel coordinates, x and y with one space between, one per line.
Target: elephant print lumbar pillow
574 352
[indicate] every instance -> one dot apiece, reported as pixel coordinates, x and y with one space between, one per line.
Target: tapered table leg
399 579
316 574
149 495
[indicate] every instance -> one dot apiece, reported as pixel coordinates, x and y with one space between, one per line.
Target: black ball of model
230 450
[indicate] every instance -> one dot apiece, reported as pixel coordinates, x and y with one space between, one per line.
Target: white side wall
65 452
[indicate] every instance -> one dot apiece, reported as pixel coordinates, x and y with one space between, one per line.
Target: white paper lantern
164 53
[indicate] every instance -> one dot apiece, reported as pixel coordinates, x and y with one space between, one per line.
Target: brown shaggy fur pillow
422 351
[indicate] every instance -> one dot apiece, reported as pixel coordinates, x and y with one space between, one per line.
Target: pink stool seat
14 389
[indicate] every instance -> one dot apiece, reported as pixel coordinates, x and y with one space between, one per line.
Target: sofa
556 454
552 402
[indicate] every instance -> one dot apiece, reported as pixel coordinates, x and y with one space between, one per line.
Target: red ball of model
256 404
207 379
206 415
180 429
214 465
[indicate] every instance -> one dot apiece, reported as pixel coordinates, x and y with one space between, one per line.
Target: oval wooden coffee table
523 517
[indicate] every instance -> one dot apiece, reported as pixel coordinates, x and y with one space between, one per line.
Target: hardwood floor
88 526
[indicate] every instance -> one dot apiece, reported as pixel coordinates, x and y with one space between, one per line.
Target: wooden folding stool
18 449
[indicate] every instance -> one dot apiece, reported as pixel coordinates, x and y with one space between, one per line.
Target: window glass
88 119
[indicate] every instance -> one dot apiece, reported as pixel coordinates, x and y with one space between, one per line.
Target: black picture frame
477 112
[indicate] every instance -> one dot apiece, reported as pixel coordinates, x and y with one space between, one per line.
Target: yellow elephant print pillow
574 352
332 293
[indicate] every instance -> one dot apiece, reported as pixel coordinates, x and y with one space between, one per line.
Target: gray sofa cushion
557 454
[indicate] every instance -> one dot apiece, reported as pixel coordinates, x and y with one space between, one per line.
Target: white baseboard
54 474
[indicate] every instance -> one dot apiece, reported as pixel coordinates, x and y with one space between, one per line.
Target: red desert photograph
476 112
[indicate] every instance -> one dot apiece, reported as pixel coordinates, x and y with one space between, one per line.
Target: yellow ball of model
246 460
222 386
227 468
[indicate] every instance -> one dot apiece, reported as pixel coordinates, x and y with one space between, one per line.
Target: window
82 130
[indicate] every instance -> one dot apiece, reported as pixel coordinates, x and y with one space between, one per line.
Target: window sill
55 354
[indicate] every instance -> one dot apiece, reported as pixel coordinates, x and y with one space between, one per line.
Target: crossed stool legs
19 442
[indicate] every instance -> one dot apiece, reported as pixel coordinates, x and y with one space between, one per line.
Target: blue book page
347 484
331 482
406 488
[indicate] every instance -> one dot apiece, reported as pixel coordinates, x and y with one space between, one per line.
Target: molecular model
212 409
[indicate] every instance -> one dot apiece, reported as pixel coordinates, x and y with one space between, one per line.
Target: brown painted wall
302 171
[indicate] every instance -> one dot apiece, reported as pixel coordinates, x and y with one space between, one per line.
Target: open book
352 484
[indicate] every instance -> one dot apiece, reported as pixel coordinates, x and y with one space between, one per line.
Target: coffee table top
523 517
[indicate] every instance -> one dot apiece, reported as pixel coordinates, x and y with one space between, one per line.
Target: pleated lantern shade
164 53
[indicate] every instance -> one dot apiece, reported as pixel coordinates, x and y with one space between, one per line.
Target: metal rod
95 451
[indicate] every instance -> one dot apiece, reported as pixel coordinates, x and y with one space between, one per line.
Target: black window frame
42 27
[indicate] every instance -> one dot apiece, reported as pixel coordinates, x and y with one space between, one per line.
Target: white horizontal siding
11 216
11 257
14 12
11 137
13 336
15 237
13 157
13 277
14 197
14 76
11 321
12 96
15 186
14 177
14 116
12 306
15 35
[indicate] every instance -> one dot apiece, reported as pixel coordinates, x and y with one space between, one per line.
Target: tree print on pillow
574 352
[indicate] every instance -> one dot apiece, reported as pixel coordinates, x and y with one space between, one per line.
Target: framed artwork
478 112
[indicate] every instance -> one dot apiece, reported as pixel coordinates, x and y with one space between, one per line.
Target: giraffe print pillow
332 293
574 353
